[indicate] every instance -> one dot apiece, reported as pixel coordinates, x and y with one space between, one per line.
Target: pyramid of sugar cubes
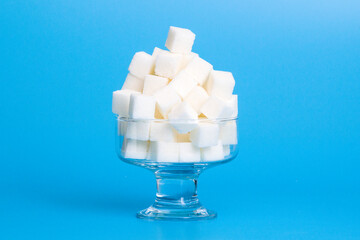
179 86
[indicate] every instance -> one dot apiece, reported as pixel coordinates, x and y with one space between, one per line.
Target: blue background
297 67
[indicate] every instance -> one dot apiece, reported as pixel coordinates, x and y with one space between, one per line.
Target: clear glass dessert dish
176 169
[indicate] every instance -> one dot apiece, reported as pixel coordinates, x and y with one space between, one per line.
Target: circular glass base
153 213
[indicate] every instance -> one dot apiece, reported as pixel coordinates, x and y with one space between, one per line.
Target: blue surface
297 66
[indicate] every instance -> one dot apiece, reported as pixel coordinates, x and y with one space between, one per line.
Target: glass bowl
176 179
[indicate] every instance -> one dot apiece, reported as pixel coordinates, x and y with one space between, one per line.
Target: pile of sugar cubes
182 88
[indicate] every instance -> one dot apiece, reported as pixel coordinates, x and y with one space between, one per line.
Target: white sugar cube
139 130
121 127
183 83
142 64
187 59
166 98
120 102
134 149
162 131
182 137
183 117
226 150
221 84
157 51
189 153
142 106
133 83
214 153
164 151
196 98
200 69
153 83
168 64
205 135
234 105
228 132
180 40
215 107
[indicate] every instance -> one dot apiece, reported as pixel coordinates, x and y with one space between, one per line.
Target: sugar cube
221 84
213 153
157 51
134 149
162 131
183 83
205 135
215 107
196 98
164 151
234 105
153 83
168 64
120 102
183 117
166 98
138 130
228 132
189 153
199 68
133 83
180 40
142 64
187 59
141 106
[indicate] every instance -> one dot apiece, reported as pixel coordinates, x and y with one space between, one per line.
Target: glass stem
176 189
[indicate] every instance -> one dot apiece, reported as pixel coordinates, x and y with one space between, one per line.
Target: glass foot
153 213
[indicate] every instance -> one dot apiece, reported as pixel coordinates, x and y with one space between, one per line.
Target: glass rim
200 120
